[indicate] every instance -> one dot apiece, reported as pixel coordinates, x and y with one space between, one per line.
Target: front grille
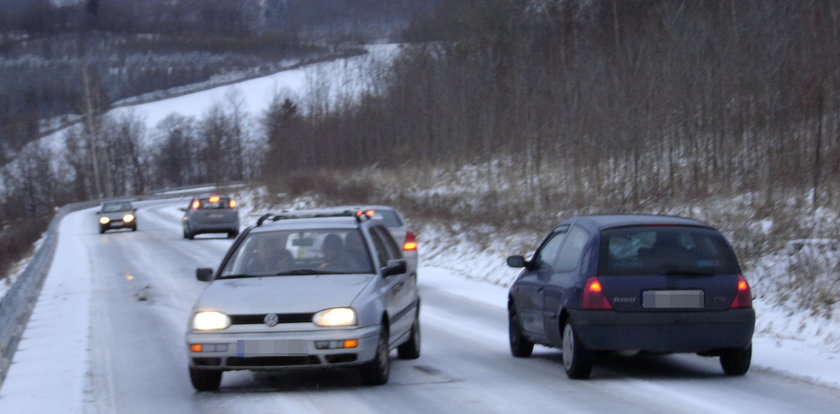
273 361
257 319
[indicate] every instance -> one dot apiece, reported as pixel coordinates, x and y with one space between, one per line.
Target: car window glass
569 256
548 253
388 218
218 203
380 249
394 251
665 250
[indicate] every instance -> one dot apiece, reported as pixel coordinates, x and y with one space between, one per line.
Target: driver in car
267 258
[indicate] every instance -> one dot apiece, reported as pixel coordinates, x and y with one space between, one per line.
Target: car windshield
665 250
300 252
114 207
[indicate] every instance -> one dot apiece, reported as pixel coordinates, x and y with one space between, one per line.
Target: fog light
350 343
196 348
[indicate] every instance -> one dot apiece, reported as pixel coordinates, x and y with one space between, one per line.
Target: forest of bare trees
610 103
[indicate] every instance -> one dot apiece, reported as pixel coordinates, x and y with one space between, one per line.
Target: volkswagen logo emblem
271 319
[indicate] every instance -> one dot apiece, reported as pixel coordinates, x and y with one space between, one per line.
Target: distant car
306 289
395 221
211 213
645 283
117 215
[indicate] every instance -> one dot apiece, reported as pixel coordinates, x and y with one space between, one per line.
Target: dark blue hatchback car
647 283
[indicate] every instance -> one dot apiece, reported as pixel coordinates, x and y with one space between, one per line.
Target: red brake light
593 295
743 297
410 242
196 204
232 203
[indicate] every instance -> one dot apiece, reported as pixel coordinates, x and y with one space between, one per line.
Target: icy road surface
107 337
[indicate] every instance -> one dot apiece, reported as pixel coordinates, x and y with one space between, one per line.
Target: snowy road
107 337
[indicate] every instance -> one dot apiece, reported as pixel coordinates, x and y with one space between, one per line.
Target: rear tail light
196 204
593 295
232 203
743 297
410 243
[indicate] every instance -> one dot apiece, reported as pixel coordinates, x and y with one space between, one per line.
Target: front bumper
118 224
664 331
278 350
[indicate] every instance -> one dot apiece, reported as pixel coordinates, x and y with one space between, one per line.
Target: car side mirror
516 261
395 267
184 209
204 274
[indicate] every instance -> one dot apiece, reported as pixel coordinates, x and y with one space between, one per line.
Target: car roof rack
301 214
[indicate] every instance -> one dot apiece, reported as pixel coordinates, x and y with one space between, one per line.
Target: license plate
672 299
215 215
249 348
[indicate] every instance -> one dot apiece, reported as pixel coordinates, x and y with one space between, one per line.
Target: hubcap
568 345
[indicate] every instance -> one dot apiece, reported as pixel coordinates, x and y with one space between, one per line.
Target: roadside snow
48 371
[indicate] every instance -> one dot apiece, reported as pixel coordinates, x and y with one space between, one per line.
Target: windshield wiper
240 276
309 272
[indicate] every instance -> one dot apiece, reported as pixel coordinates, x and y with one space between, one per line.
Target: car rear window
218 203
662 250
387 218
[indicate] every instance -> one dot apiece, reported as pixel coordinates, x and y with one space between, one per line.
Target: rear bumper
223 227
664 331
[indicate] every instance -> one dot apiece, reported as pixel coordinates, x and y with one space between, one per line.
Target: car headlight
335 317
128 218
104 220
210 321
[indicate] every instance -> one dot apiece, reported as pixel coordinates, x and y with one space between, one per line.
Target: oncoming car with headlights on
117 215
302 290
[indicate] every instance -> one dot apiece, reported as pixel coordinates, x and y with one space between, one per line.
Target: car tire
377 371
577 360
101 230
736 361
520 346
134 228
411 348
205 379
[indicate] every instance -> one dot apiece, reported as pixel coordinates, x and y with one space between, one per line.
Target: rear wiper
675 272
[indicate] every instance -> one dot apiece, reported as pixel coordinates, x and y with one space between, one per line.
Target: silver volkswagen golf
305 289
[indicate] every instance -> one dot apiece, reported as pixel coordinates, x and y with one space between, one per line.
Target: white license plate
215 215
280 347
672 299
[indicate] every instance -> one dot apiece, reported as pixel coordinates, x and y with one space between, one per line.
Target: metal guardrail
18 303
